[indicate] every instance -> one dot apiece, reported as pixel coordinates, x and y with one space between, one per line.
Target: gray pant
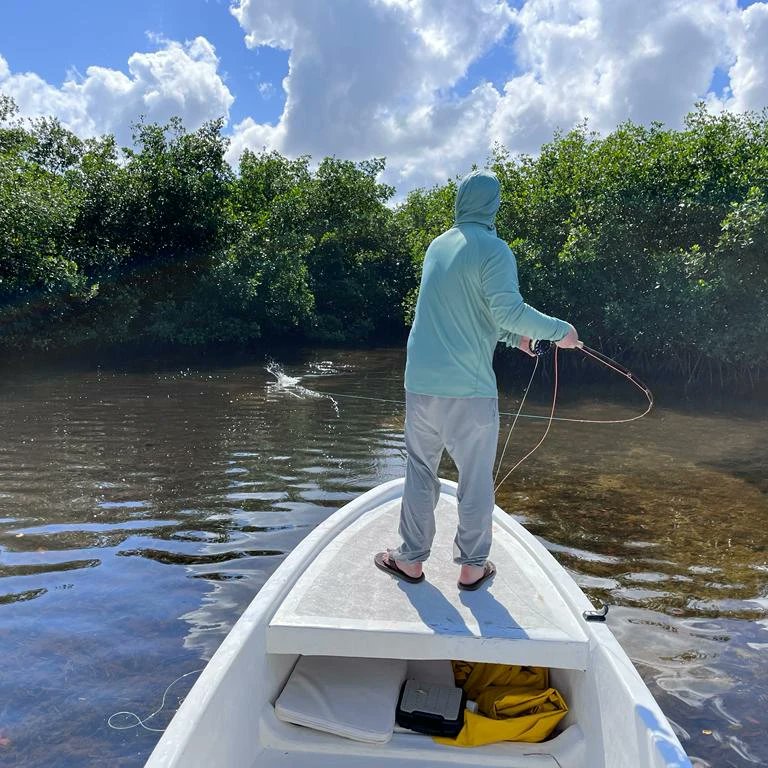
468 427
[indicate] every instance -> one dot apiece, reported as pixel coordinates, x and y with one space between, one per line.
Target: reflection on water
140 511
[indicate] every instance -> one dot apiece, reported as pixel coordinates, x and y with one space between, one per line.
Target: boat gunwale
661 740
257 615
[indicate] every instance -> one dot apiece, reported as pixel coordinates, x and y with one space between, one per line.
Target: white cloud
249 134
373 77
610 61
749 73
179 79
266 89
378 77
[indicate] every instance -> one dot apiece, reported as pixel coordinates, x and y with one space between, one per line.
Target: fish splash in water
291 385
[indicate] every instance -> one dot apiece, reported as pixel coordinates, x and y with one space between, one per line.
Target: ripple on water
638 595
257 496
124 504
145 490
181 558
647 576
20 597
578 554
31 569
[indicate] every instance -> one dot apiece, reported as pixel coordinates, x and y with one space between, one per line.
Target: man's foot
411 572
474 576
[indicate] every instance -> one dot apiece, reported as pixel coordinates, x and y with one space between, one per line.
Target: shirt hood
478 198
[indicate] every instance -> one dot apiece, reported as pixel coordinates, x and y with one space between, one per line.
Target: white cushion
350 697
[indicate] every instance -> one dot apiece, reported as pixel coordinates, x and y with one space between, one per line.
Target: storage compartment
333 697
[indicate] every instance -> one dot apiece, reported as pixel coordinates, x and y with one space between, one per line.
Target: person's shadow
440 615
434 609
493 619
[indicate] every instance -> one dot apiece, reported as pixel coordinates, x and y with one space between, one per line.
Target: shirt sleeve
509 339
501 287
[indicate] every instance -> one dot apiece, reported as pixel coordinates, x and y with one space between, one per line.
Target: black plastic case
435 710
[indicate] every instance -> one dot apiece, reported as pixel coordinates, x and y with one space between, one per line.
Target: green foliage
358 264
652 241
163 242
422 217
38 279
173 203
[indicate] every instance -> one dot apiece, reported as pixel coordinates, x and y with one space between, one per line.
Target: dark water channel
142 509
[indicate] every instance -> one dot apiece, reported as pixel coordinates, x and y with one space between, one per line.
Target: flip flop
489 573
390 567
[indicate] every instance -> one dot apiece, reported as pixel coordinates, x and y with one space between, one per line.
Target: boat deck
518 618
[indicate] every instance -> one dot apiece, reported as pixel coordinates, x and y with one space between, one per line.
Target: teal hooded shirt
469 299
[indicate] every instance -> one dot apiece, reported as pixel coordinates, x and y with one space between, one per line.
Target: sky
432 85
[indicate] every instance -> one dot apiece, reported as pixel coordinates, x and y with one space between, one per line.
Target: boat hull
228 717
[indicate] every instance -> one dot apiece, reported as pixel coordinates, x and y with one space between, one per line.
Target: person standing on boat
469 299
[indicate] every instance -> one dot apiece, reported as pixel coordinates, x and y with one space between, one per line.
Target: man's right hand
525 346
570 340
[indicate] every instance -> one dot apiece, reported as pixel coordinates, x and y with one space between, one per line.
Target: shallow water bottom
141 509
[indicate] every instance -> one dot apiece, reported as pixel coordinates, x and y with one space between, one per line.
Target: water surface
142 509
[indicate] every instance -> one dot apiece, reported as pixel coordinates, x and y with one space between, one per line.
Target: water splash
325 368
282 379
290 385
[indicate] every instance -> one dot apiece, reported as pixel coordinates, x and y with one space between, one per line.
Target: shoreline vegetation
652 241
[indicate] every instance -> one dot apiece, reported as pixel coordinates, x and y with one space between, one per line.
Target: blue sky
77 34
431 85
53 37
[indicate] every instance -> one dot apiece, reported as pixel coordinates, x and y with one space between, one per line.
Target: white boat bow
327 599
